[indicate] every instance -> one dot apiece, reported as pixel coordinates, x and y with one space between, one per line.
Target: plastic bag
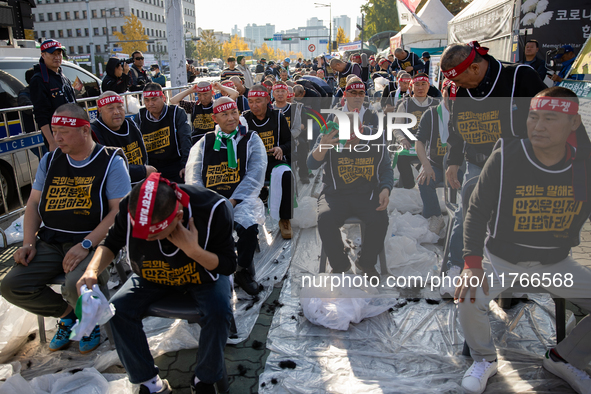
16 385
412 226
15 326
306 214
14 232
249 212
132 105
92 308
406 258
342 306
405 200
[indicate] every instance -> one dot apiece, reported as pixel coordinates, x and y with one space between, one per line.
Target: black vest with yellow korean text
160 136
74 199
355 170
202 121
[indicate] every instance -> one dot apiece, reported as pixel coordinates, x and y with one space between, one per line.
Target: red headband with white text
355 85
203 89
224 107
460 68
109 100
152 93
257 93
555 104
68 121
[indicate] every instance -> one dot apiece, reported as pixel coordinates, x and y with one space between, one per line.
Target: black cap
153 66
426 54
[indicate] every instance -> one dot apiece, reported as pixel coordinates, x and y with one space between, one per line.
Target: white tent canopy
429 31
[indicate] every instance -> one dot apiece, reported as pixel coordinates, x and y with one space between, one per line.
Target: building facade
343 22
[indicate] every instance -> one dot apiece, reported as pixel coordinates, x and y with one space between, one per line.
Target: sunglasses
139 58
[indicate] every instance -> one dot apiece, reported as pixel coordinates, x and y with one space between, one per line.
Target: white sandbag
306 214
87 381
118 383
15 326
407 258
132 105
14 232
405 200
344 305
7 370
412 226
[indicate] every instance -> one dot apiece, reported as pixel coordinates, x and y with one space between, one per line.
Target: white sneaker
578 379
475 378
436 224
447 285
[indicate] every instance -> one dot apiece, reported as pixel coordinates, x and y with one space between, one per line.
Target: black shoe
245 280
202 388
264 194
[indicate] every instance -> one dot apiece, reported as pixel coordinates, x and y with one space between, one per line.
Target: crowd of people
174 182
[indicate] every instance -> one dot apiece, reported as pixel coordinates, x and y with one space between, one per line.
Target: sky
223 15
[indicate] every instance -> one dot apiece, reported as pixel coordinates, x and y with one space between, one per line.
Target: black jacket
138 78
49 90
540 66
411 59
111 82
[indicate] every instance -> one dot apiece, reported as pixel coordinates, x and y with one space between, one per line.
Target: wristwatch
87 244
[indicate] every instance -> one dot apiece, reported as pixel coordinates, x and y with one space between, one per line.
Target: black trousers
301 155
247 243
404 167
333 210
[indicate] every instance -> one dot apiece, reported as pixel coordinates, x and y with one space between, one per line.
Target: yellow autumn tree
264 51
235 44
341 37
132 30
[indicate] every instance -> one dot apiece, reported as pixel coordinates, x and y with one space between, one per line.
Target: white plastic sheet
412 226
15 326
306 213
407 258
405 200
14 232
87 381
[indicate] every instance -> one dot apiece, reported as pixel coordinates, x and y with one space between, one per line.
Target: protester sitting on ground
356 183
157 76
75 196
232 161
180 244
418 104
111 128
201 110
343 70
392 95
431 146
407 61
117 78
272 127
525 241
166 132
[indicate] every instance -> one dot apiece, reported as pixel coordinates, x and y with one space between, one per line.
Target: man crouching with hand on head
179 240
534 217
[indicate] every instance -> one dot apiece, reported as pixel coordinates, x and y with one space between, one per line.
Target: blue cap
567 49
288 60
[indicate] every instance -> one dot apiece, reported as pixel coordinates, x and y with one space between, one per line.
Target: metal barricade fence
18 164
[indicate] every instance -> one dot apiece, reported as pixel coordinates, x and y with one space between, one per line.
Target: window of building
112 12
76 15
152 32
33 17
83 14
132 11
104 31
86 32
49 16
122 29
71 49
165 49
95 31
97 48
67 15
58 16
43 33
107 48
121 11
80 49
41 18
51 34
142 14
60 33
103 13
69 32
113 29
78 32
151 16
93 13
88 48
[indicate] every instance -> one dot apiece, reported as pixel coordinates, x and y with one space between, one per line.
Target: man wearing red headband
273 129
50 88
202 109
112 129
392 94
534 217
242 99
232 161
166 132
356 183
407 61
75 195
179 240
418 104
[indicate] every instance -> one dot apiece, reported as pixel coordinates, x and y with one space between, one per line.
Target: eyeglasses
139 58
